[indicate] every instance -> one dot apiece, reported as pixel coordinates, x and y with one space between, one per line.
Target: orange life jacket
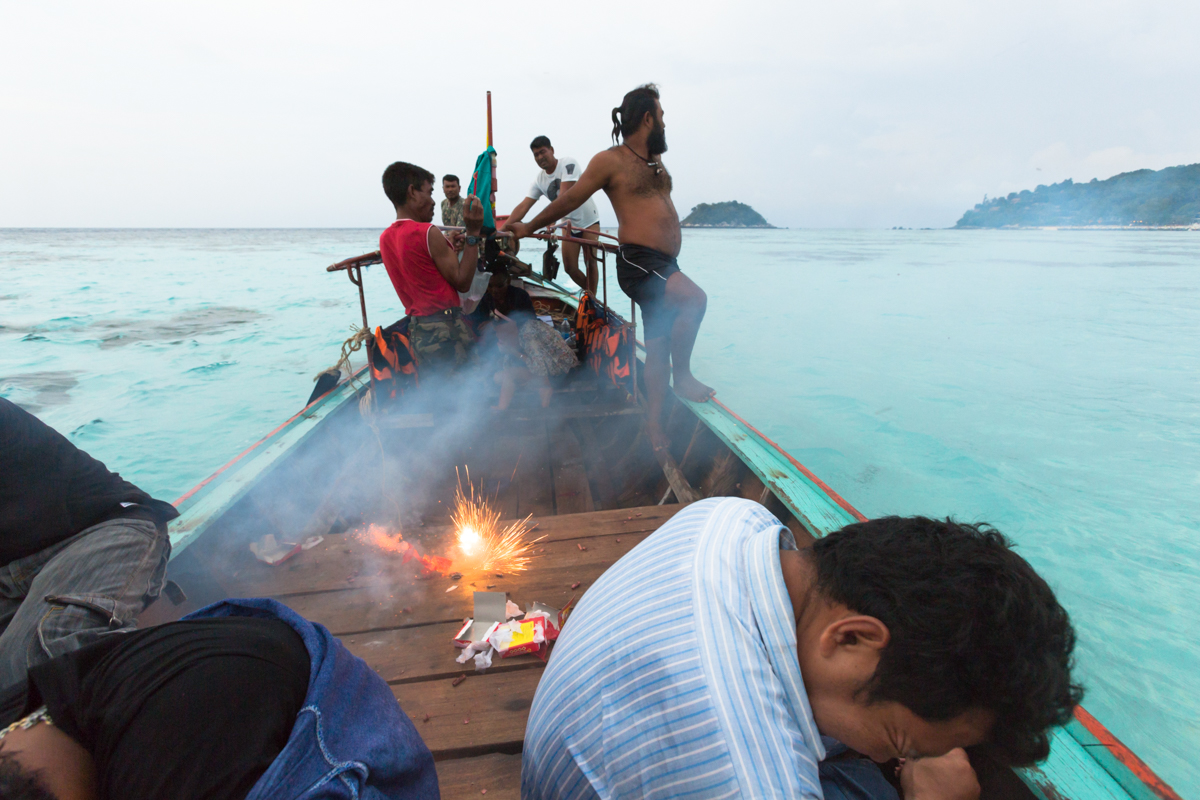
393 366
605 343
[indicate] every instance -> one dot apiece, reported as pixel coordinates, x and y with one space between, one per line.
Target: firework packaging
555 617
490 611
517 637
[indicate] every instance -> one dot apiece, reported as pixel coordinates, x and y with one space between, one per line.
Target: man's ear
854 632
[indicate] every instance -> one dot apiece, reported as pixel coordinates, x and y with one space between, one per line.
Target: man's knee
685 293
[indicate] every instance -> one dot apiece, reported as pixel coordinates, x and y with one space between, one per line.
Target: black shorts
642 273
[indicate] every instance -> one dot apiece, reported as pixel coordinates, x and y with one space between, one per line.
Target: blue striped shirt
677 675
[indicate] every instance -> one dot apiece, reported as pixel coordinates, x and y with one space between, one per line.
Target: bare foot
658 439
689 388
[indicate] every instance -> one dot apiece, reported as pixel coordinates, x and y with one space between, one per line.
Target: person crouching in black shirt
83 550
242 699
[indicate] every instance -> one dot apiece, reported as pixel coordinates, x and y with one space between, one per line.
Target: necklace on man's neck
648 162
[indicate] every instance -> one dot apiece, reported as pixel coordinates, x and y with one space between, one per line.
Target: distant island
1165 198
724 215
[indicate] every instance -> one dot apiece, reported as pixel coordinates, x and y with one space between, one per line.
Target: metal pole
355 275
633 347
604 274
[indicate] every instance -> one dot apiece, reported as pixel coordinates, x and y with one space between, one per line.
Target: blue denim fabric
351 739
77 591
852 778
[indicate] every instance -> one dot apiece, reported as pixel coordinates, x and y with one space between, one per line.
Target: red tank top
405 250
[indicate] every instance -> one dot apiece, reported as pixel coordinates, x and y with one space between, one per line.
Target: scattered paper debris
618 540
458 680
466 721
452 588
483 661
271 552
581 547
311 542
575 585
496 629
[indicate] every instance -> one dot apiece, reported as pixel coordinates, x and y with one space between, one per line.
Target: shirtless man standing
639 187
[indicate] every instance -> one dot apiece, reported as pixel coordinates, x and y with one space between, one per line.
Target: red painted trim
837 498
1125 755
242 455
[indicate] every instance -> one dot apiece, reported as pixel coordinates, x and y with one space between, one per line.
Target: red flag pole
492 199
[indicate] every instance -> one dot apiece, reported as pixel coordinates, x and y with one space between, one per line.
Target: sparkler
482 542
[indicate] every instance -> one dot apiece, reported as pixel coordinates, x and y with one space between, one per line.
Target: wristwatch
474 241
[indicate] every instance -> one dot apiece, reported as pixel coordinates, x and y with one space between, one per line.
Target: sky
860 114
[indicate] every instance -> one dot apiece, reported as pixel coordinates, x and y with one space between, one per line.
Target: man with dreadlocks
632 174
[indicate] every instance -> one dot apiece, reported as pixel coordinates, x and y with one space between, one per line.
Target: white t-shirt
547 185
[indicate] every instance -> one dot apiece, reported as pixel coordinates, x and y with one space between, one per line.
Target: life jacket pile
605 343
393 365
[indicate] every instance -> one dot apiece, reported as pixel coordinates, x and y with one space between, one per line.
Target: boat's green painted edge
203 507
817 512
1079 767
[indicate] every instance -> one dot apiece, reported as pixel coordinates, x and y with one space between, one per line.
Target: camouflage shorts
440 341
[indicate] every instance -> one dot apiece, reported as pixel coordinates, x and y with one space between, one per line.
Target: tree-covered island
1165 198
724 215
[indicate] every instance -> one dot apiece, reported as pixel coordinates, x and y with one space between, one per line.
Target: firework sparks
481 540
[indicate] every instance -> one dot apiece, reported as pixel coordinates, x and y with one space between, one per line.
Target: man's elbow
464 284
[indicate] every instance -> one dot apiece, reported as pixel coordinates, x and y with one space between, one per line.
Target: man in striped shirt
718 660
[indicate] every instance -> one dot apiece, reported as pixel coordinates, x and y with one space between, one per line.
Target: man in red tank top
425 269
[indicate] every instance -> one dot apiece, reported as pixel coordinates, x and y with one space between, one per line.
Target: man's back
404 247
51 490
685 683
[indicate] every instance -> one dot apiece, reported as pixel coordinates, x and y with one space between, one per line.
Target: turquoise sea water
1047 382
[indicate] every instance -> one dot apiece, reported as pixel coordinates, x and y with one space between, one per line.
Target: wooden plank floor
402 624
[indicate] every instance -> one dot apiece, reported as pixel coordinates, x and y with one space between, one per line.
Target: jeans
72 593
852 778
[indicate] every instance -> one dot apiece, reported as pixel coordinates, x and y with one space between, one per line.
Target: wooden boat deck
403 626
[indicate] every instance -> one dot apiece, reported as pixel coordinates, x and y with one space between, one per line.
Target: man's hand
457 239
473 215
519 230
948 777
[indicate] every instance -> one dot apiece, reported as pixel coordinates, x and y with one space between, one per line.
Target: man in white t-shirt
556 176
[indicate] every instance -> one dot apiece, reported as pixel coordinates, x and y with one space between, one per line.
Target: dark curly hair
20 783
627 117
972 626
398 177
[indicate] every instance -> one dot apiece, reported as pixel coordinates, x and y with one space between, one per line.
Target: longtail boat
370 485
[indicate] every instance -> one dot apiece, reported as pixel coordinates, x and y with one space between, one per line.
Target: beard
656 142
